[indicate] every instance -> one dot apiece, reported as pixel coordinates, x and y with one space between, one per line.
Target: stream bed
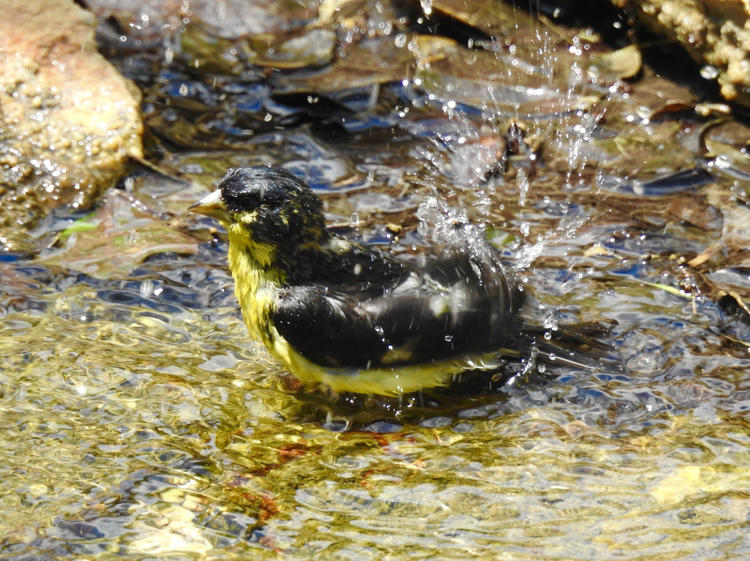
139 421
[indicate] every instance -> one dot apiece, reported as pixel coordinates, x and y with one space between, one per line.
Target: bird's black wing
449 307
454 305
329 329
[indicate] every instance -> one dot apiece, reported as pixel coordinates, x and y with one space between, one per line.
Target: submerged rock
144 20
68 119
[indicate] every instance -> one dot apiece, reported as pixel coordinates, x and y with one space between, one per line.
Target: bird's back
372 310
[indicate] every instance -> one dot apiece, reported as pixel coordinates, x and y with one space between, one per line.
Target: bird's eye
241 201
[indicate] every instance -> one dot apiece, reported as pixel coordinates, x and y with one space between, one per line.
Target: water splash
449 226
522 180
567 229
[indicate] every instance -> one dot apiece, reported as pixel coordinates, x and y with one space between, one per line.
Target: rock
714 32
68 119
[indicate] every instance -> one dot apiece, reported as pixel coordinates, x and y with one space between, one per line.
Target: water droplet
709 72
550 322
522 180
146 288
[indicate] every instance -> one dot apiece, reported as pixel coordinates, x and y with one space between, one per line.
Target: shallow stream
139 421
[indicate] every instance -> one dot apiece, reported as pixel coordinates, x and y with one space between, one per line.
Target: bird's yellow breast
386 381
255 282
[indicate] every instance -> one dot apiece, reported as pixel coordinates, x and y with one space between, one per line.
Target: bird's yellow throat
255 280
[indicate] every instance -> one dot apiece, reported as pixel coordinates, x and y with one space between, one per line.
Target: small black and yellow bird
352 317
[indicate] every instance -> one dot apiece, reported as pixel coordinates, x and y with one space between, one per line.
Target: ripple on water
139 421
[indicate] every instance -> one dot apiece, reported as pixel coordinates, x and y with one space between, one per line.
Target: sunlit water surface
142 426
138 420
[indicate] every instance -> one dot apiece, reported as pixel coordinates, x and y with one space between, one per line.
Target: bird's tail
579 345
536 351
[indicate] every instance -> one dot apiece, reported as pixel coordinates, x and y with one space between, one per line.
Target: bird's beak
212 205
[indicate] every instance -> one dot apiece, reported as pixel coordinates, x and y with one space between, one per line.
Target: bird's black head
273 205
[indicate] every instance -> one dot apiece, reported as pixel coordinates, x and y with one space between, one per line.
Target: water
202 452
140 422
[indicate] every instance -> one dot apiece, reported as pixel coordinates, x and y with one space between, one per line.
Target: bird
353 317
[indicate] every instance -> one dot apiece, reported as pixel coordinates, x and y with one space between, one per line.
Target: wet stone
68 120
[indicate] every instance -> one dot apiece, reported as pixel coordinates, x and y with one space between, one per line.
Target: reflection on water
151 427
140 422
